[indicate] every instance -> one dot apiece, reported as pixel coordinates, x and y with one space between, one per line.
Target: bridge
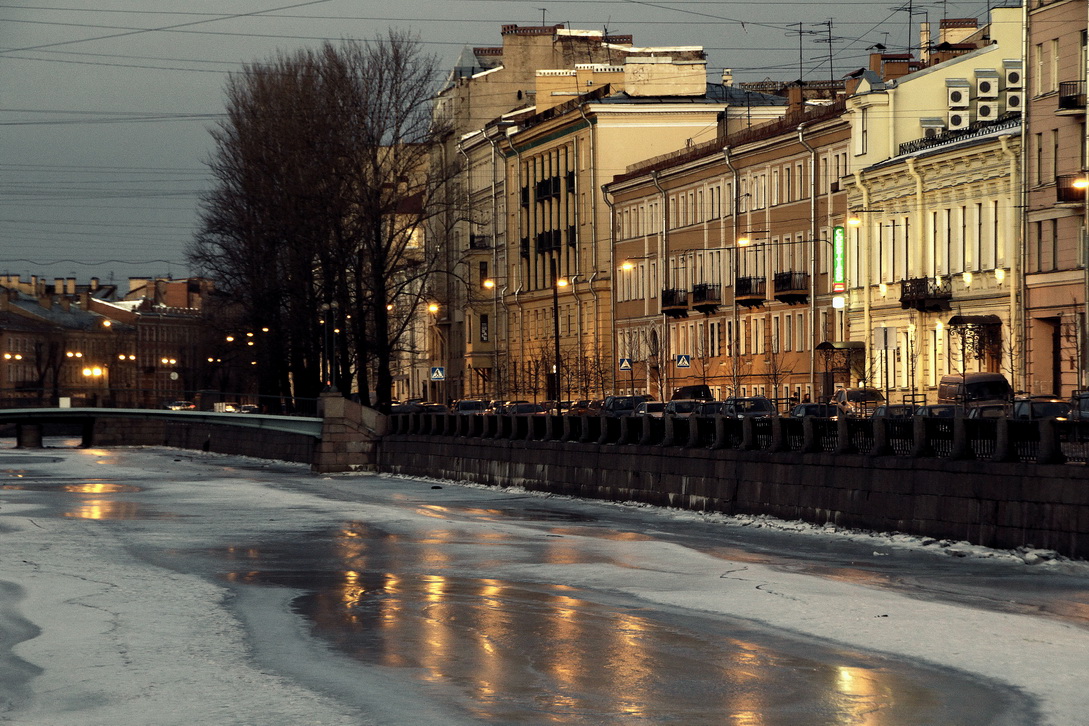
342 438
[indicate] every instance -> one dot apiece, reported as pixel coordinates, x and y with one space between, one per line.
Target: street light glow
433 308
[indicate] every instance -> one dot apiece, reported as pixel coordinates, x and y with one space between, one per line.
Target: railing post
778 443
719 442
1002 449
693 433
748 434
920 445
961 448
843 435
810 442
667 437
1050 451
880 437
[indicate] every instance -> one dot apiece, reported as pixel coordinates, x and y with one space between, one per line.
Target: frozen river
154 586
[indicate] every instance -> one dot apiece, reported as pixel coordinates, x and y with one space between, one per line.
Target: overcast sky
105 105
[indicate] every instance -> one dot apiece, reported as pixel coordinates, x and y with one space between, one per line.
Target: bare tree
323 194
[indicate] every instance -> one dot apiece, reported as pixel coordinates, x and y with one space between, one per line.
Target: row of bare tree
325 188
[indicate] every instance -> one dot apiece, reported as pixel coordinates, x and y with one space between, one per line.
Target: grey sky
105 105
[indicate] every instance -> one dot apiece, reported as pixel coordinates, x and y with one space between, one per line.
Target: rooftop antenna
828 39
800 33
542 15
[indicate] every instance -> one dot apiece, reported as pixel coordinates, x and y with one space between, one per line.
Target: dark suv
617 406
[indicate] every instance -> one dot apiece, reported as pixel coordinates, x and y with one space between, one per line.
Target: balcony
1070 188
925 294
750 291
675 303
791 287
1071 98
706 298
480 242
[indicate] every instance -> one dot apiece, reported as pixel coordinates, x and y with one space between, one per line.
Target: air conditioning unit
959 119
988 109
1013 77
959 92
932 126
1015 100
986 83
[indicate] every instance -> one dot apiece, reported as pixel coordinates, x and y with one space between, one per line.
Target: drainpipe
917 264
495 266
812 257
612 267
593 236
1016 275
735 344
518 291
663 277
467 379
864 260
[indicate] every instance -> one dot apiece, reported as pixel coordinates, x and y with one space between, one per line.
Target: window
483 273
484 328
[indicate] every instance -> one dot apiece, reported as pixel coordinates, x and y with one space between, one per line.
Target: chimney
728 76
795 98
94 284
58 285
70 286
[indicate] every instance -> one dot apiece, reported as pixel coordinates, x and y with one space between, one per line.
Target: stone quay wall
996 503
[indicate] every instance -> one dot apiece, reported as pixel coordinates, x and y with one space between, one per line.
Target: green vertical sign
839 259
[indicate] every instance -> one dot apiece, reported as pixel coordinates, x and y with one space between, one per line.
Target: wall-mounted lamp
999 275
839 302
967 278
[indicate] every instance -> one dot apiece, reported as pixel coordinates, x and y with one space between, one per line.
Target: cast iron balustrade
1072 96
706 298
925 294
675 303
1067 190
480 242
750 291
791 287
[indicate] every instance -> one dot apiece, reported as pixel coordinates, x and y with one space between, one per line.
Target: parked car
578 408
937 410
617 406
974 389
1041 407
1079 405
248 408
712 408
433 408
682 407
180 406
700 392
525 408
857 401
653 409
749 407
469 406
987 410
816 410
894 410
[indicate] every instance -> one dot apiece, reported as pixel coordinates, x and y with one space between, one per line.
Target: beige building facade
934 273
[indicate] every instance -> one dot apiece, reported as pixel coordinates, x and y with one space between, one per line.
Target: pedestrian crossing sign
625 364
684 361
438 373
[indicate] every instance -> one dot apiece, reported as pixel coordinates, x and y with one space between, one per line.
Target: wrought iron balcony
791 287
675 303
925 294
706 298
1072 96
750 291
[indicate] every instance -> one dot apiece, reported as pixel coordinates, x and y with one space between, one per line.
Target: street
158 586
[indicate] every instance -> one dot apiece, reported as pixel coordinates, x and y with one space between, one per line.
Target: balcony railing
706 298
750 291
480 242
791 287
1072 96
1070 188
675 302
925 294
